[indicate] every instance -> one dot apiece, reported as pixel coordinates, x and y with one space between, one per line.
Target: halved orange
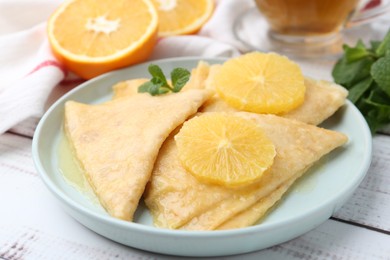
261 83
224 149
179 17
91 37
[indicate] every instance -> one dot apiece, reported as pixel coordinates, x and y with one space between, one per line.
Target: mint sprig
365 72
158 84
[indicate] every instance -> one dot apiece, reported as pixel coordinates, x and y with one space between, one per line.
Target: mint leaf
163 90
145 87
153 90
380 72
157 74
379 98
375 45
356 53
158 84
149 87
377 109
365 72
357 91
373 122
384 46
349 73
179 77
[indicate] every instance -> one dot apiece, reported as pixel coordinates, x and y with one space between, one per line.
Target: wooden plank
370 203
15 154
332 240
29 226
32 223
21 242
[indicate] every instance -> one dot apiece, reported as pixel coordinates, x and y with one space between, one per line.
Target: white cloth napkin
29 72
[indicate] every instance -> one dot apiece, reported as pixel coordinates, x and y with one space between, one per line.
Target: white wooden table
34 226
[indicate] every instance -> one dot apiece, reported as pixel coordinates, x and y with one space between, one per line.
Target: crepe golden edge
120 187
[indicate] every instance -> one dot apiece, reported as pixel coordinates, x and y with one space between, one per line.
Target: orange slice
179 17
224 149
261 83
92 37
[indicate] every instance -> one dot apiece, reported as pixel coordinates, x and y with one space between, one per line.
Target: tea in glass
306 18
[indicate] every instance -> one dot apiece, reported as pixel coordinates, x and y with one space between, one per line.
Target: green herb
365 72
159 85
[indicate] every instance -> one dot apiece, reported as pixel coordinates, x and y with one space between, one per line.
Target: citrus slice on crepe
261 83
224 149
93 37
179 17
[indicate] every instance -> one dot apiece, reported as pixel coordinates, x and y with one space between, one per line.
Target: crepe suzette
322 98
117 142
199 76
178 200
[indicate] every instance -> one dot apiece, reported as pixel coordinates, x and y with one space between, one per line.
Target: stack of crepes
126 148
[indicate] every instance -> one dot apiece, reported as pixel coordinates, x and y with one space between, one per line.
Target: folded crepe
185 193
176 199
199 76
256 212
130 87
117 142
127 88
322 98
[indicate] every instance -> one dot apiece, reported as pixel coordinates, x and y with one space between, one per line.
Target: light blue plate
309 203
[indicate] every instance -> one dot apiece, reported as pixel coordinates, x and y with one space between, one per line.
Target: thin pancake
127 88
117 142
322 98
173 195
199 76
251 215
178 200
130 87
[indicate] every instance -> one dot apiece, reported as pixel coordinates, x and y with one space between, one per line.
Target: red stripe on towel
48 63
372 4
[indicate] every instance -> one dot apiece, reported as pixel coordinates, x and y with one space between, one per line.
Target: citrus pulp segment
261 83
224 149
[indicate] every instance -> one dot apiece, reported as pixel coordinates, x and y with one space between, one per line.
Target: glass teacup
309 27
